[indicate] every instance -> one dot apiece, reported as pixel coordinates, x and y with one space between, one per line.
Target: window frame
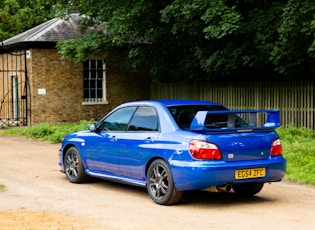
94 101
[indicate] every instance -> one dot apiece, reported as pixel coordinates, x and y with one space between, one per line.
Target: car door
137 144
102 149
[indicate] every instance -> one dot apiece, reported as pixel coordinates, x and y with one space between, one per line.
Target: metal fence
295 100
14 103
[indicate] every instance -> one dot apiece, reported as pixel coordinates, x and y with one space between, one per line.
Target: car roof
179 102
169 103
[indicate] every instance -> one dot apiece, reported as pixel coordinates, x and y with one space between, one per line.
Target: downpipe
223 188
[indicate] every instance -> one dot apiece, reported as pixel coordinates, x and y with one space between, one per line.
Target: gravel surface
38 196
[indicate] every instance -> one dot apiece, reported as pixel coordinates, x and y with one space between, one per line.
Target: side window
118 120
145 119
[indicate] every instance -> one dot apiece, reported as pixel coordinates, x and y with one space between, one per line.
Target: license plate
250 173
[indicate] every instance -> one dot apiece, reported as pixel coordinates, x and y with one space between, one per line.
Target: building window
94 81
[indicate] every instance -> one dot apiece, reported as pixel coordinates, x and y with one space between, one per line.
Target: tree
16 16
294 51
200 39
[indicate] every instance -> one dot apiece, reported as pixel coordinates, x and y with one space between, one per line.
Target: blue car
171 146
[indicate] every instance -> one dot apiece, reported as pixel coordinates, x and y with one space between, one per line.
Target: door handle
113 138
148 140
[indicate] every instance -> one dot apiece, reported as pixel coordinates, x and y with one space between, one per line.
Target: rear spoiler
272 120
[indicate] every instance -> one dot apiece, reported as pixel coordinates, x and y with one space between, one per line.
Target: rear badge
231 155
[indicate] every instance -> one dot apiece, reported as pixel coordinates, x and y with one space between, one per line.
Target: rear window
184 115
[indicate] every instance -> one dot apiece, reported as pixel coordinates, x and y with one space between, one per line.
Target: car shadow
200 197
197 197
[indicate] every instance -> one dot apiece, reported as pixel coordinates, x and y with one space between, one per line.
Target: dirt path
38 196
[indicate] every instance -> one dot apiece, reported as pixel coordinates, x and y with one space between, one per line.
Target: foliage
16 16
200 39
299 150
53 133
294 51
184 40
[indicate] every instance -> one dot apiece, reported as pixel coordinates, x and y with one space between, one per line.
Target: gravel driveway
38 196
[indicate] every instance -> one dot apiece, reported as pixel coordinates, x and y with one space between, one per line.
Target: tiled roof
53 30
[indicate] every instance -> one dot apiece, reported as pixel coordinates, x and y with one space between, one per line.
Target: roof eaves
27 45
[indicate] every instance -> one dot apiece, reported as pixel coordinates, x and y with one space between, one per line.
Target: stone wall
57 89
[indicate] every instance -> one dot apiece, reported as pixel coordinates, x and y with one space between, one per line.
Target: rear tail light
276 148
204 150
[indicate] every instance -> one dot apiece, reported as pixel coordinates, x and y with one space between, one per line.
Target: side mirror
92 127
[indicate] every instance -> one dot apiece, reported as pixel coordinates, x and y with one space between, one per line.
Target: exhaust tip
224 188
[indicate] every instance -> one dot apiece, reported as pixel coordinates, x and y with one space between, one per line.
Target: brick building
38 86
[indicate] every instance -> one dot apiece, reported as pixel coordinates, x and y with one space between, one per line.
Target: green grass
53 133
2 187
298 145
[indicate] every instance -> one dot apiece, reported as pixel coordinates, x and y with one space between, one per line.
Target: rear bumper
203 174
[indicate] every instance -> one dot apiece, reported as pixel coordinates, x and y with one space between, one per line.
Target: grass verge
298 146
53 133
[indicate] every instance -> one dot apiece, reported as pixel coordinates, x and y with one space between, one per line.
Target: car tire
160 184
74 168
248 189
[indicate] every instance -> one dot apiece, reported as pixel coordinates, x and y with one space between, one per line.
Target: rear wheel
248 189
160 184
74 167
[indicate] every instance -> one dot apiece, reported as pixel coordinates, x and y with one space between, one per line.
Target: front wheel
160 184
248 189
74 167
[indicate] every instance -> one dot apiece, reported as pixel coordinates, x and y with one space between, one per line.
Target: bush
53 133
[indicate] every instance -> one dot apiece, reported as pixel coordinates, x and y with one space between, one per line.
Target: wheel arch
65 149
151 161
68 146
